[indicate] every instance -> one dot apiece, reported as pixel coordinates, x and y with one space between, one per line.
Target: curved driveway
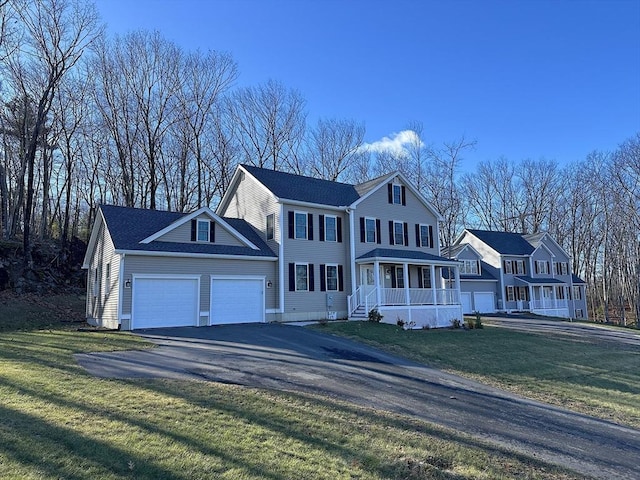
298 359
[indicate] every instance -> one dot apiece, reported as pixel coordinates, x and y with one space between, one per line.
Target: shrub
455 323
400 322
478 321
375 316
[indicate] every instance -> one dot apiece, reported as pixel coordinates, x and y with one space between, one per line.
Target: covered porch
408 286
543 296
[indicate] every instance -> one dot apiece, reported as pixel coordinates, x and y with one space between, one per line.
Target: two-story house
522 272
279 247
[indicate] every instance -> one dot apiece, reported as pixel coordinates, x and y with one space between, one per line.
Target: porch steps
359 314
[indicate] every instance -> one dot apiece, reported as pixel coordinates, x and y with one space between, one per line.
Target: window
542 267
330 228
331 274
203 231
270 226
510 294
508 267
424 236
399 277
426 278
522 293
96 281
398 233
301 225
397 194
520 267
560 293
579 313
370 230
107 275
470 267
302 277
577 292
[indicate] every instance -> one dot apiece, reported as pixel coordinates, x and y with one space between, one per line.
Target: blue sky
526 79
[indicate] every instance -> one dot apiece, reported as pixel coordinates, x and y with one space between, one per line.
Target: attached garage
465 299
165 302
237 300
484 302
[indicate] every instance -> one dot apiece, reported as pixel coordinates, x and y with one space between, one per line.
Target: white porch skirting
422 316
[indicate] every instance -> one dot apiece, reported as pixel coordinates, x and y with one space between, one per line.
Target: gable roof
505 243
288 186
394 254
128 227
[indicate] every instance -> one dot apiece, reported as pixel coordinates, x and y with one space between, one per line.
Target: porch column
456 271
405 275
432 271
553 296
531 298
376 278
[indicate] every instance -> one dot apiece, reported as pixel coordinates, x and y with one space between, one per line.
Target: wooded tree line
136 120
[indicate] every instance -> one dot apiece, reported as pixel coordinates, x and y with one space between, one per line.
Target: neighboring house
279 247
524 272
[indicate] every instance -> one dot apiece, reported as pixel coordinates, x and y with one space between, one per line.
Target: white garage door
237 300
165 302
484 302
465 299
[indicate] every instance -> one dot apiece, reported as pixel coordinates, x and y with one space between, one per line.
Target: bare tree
333 145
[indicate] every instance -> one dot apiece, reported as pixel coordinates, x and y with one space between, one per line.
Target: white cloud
396 143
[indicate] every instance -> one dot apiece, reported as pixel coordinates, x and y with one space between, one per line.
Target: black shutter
418 239
378 231
339 227
548 267
430 236
406 234
420 274
362 232
321 228
391 232
311 279
394 281
194 224
404 195
291 224
340 278
390 191
536 264
323 281
310 226
292 277
212 232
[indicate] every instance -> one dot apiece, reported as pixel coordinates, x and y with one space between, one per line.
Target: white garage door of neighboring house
465 299
236 300
165 302
484 302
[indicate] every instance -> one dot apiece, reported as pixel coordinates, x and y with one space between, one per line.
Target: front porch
542 296
414 291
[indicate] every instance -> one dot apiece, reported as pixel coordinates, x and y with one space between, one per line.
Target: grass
588 377
56 421
28 312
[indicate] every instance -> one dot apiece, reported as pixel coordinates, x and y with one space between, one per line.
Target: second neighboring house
504 271
279 247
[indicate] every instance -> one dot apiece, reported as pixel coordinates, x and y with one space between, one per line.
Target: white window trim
426 225
295 225
395 240
326 277
208 230
273 226
296 273
393 194
511 294
508 267
107 280
335 229
375 230
464 270
517 269
400 277
541 266
426 277
96 281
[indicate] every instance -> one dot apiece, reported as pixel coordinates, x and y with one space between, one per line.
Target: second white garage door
484 302
236 300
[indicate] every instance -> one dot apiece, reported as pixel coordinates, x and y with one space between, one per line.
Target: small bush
400 322
478 321
426 326
455 323
375 316
468 324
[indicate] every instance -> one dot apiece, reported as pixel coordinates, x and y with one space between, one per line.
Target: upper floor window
330 228
203 231
508 267
370 230
561 268
542 267
520 270
397 233
270 226
300 225
397 194
577 292
470 267
424 236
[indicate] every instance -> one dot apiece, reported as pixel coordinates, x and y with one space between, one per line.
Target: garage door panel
237 300
165 302
484 302
465 299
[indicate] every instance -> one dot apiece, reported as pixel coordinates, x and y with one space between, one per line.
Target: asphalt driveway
298 359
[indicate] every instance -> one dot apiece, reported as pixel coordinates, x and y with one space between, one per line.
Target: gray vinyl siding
414 212
313 305
205 267
182 234
102 308
478 286
253 203
541 255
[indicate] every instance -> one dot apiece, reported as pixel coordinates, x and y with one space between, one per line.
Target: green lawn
593 378
57 422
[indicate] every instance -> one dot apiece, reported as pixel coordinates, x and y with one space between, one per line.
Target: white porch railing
398 296
548 303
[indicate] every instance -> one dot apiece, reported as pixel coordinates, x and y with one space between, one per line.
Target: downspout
120 288
352 249
281 262
502 297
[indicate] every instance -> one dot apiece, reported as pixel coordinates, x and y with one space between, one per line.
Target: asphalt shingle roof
505 243
128 226
288 186
402 254
539 281
576 279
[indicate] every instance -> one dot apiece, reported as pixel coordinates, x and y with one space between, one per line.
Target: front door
367 283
